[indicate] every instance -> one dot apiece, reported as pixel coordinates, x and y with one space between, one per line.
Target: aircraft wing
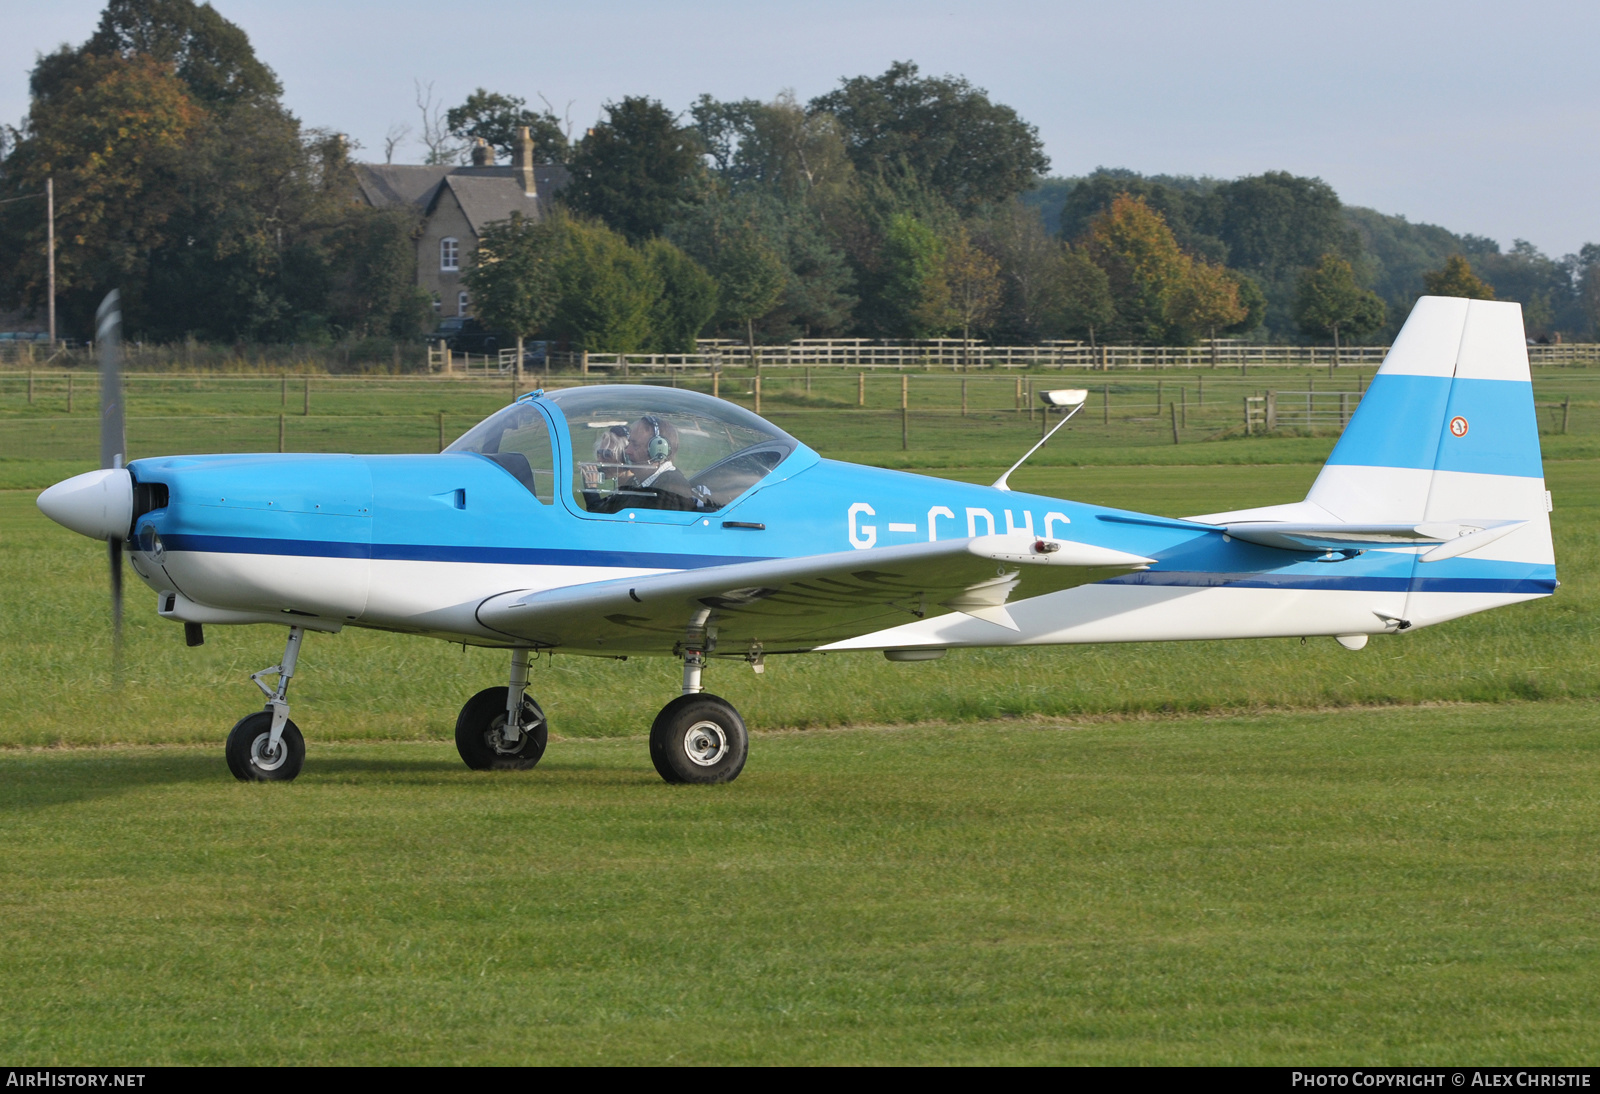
792 604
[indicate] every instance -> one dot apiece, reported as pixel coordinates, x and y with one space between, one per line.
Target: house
456 203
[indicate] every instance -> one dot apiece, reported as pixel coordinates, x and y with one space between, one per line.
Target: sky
1476 116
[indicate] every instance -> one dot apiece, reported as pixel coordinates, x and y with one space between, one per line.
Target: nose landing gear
502 729
266 746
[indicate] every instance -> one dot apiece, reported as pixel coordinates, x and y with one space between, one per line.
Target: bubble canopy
721 449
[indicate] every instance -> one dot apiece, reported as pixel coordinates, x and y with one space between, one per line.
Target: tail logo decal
1458 426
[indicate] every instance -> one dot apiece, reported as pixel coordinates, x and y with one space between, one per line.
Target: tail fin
1447 429
1446 434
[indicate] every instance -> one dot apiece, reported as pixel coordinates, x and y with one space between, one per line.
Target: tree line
901 205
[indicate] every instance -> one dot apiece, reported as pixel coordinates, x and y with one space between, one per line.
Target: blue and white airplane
622 520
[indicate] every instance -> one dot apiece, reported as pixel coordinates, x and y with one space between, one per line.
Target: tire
479 728
699 739
248 758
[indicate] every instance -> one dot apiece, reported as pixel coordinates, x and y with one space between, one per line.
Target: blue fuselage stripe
428 552
543 556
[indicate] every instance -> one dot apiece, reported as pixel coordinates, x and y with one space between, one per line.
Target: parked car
464 334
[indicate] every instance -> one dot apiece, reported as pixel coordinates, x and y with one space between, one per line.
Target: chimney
482 156
525 161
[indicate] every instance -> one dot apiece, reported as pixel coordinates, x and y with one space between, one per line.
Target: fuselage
415 543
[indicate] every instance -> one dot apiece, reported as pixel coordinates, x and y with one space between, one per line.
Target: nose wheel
253 755
266 746
485 744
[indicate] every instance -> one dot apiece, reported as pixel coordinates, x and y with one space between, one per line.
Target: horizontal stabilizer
1455 537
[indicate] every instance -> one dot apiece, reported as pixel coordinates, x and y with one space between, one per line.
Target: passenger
648 479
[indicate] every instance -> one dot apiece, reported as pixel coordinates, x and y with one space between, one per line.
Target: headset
658 450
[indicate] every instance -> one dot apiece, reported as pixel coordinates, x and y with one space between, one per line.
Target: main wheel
480 733
251 760
699 739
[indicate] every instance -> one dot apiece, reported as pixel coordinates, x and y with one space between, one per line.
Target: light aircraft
621 520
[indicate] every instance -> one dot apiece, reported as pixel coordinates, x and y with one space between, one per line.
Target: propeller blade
113 443
108 339
115 552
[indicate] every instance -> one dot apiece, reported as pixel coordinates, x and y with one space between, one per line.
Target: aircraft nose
97 504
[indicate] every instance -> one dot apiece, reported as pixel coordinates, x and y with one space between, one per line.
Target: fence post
1566 408
280 432
583 358
30 387
305 410
1018 399
1158 394
905 412
716 384
1247 415
1173 409
1272 411
1200 395
1105 405
861 389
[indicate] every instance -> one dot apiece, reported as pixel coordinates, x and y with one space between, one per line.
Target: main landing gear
698 738
266 746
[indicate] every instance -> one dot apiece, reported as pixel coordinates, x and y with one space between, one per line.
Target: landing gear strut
698 738
266 746
503 729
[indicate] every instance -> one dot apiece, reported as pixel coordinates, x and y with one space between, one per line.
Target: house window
449 254
461 303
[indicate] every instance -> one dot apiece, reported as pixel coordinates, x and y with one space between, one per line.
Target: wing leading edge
795 604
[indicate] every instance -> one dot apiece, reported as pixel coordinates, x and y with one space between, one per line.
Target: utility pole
50 251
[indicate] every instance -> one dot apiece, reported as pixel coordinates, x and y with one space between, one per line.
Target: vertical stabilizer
1447 432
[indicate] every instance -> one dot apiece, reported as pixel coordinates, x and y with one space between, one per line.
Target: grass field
1261 852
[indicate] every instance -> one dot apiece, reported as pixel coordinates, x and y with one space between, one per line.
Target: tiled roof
486 194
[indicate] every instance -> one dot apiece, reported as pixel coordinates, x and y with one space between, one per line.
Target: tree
375 291
915 292
1080 298
212 56
607 291
688 297
1133 245
776 146
1206 302
495 118
1330 301
973 280
1456 279
513 276
1275 225
117 139
968 149
750 280
637 170
1030 259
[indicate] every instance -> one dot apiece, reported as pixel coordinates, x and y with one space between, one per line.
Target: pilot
649 479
